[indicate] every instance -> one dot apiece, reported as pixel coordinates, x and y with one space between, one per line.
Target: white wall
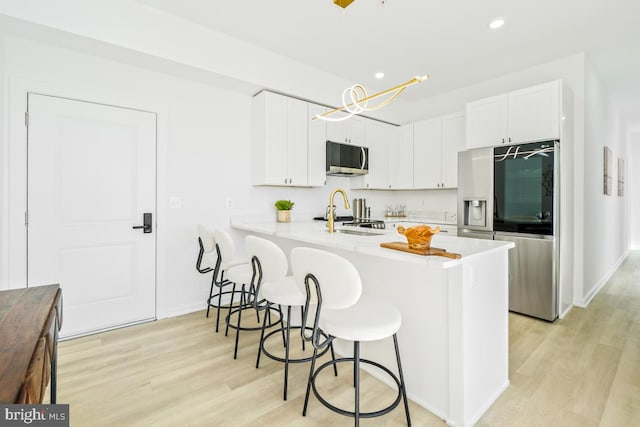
605 217
632 189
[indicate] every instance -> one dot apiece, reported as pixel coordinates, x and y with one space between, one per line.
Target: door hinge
26 219
26 118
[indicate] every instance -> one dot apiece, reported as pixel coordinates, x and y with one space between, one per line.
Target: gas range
357 222
366 223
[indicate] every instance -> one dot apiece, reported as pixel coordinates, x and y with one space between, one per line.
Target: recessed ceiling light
379 75
496 23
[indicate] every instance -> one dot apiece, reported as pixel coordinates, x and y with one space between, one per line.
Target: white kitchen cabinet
427 153
350 131
377 136
404 168
436 143
279 140
453 134
317 148
526 115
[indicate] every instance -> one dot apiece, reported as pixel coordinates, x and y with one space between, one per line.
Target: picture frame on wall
620 177
608 171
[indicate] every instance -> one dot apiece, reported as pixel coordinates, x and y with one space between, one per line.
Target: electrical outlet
229 203
175 202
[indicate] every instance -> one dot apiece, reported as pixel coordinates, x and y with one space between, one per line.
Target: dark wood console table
30 319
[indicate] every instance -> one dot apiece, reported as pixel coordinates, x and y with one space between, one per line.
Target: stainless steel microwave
346 159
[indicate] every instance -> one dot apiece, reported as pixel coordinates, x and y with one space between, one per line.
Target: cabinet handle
285 180
509 139
503 140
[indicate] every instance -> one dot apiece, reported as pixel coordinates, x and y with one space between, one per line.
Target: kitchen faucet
330 221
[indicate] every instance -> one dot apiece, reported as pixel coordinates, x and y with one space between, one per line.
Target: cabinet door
275 139
355 127
486 122
377 142
350 131
317 150
405 157
534 113
427 153
297 127
453 132
393 167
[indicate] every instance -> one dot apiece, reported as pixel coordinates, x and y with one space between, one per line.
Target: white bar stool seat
367 320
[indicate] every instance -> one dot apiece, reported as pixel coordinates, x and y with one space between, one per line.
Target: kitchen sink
358 232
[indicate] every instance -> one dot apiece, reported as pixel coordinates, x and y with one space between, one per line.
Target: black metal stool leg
233 296
311 369
286 352
302 320
261 342
213 280
333 357
402 388
284 339
356 379
235 350
219 308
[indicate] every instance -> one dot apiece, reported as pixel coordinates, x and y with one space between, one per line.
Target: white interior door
91 177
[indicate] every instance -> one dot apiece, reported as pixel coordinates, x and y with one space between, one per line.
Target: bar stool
250 298
207 243
272 283
334 284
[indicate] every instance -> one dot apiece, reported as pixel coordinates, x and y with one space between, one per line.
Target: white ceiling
447 39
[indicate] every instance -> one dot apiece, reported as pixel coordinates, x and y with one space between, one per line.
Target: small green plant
284 205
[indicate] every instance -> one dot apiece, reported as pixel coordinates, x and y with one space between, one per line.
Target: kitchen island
454 334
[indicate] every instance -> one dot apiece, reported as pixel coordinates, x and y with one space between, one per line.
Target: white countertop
315 232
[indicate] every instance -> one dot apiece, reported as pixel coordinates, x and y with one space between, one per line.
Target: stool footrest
282 359
341 411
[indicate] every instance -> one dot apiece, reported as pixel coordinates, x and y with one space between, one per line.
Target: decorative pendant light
355 100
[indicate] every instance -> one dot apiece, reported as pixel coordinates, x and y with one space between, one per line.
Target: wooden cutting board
403 246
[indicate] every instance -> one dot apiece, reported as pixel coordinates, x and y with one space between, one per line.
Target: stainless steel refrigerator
510 193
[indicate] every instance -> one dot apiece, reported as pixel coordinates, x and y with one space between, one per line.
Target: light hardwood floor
583 370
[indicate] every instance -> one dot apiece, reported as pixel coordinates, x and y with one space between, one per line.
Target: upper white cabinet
427 153
280 142
530 114
317 148
453 134
350 131
401 174
378 136
436 143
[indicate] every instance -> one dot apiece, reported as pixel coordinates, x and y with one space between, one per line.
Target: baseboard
175 312
564 313
484 408
584 302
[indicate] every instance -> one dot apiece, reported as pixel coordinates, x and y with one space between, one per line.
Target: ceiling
449 40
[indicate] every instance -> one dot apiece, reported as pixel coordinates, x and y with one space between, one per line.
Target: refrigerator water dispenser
475 213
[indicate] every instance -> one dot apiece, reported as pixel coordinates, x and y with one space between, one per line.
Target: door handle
147 221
